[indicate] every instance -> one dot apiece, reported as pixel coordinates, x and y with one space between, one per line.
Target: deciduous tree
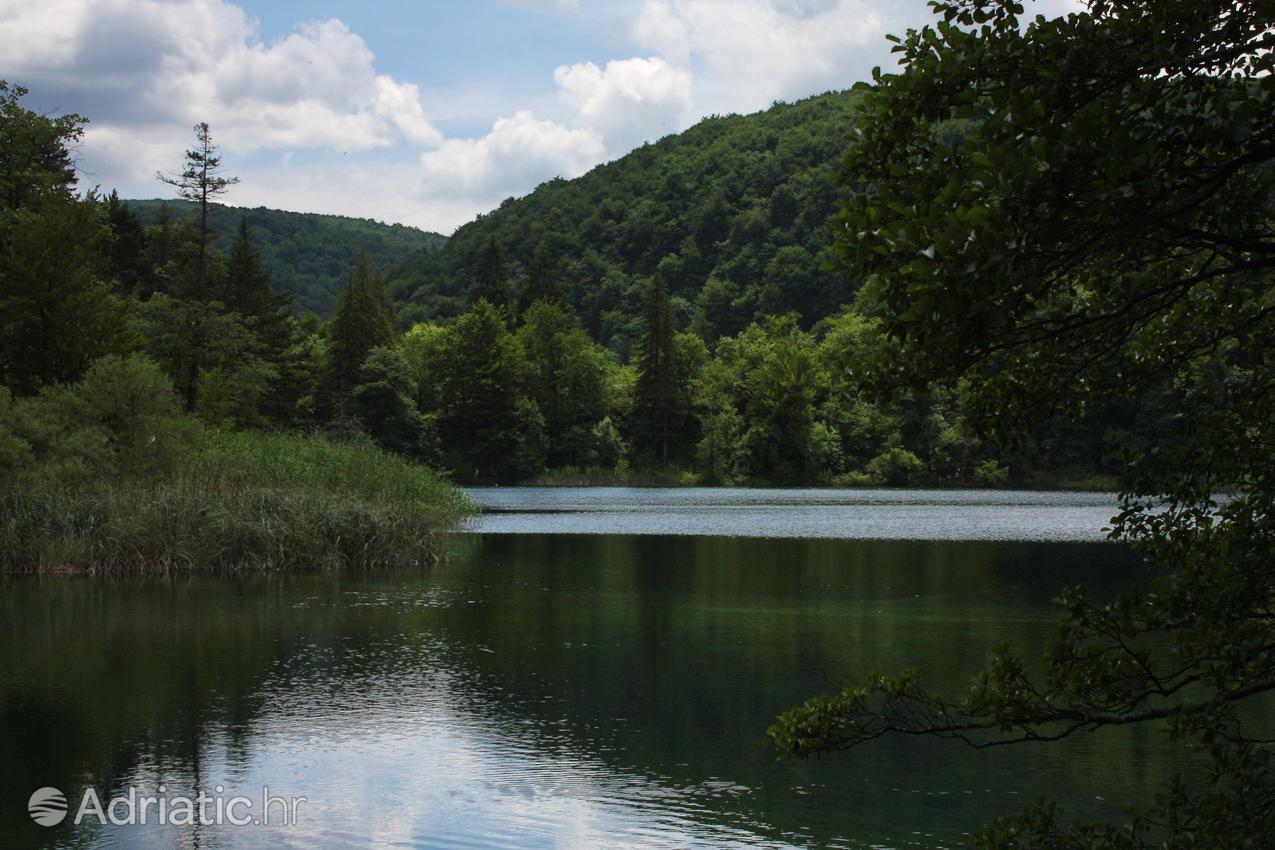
1099 222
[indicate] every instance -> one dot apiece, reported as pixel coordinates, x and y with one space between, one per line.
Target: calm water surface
839 514
544 689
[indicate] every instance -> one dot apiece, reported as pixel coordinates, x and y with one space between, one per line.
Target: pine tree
126 255
246 288
363 320
544 280
489 279
656 396
201 182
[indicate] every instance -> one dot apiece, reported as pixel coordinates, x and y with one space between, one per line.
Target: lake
589 669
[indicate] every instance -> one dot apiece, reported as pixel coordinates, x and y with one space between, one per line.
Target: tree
482 416
363 320
56 315
489 279
1065 220
760 390
246 287
192 340
658 413
384 408
35 155
201 181
544 280
567 376
125 255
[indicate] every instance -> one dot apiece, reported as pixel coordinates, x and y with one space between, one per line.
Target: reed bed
244 501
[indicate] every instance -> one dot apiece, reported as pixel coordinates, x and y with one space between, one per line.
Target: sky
423 113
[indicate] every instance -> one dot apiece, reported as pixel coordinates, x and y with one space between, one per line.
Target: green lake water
555 684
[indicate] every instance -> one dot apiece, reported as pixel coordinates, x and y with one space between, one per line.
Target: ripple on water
822 514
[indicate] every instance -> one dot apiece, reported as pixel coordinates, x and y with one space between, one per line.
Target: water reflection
541 691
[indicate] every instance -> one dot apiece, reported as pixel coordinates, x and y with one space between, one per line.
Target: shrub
896 468
122 419
990 473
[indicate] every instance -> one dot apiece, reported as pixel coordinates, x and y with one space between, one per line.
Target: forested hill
735 213
308 255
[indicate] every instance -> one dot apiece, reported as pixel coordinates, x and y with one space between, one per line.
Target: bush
607 446
134 402
896 468
990 473
122 419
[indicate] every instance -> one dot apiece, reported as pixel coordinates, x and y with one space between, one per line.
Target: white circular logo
47 807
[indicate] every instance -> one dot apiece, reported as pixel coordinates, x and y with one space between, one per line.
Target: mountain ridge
736 213
308 254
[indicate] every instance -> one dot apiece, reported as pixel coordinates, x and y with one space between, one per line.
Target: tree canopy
1065 214
307 255
736 214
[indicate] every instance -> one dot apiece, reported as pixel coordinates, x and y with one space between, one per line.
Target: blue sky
426 113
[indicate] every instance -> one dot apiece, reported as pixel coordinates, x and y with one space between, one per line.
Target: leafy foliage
738 207
1067 222
307 255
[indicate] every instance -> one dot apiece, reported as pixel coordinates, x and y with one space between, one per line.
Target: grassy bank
244 501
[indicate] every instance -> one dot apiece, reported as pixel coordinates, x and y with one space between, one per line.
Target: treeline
515 387
503 395
736 214
308 255
139 369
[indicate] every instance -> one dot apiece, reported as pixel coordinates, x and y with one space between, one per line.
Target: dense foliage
525 382
735 213
1067 215
130 357
307 255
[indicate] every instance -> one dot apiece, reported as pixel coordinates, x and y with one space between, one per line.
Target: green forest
308 255
736 214
1040 254
677 316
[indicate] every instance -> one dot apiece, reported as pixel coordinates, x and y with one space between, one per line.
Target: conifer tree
246 288
656 413
201 181
481 412
544 280
489 278
363 320
126 257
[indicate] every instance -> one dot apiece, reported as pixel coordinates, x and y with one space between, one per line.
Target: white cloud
308 122
518 150
663 30
750 52
628 102
147 70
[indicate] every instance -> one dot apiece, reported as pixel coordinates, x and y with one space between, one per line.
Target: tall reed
244 501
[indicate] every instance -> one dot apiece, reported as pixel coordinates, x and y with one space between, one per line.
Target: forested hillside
306 254
735 213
